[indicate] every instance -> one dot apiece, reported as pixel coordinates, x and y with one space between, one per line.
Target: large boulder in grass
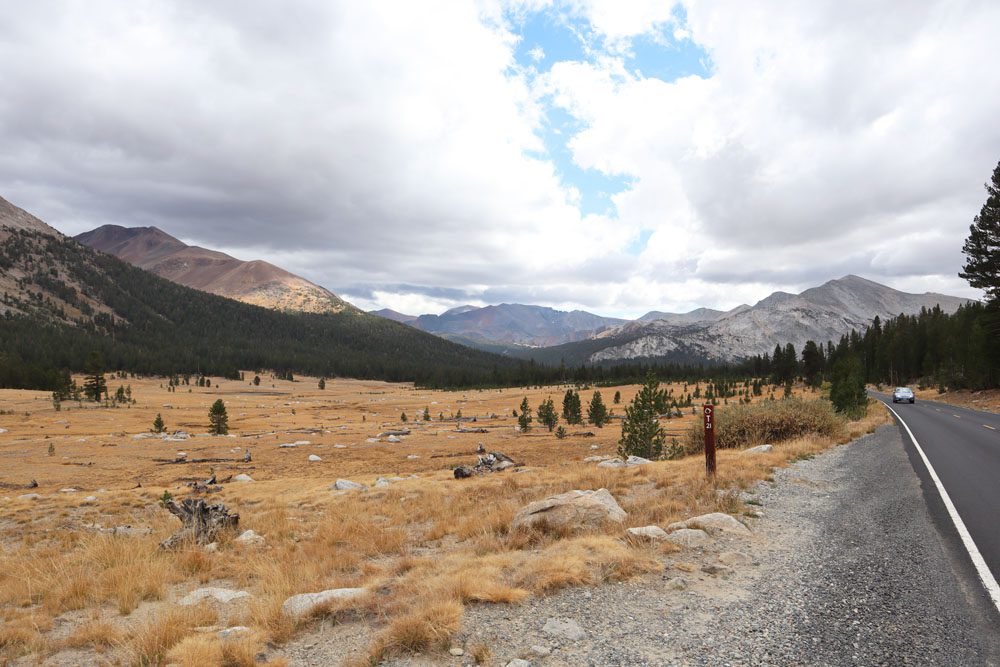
304 604
713 524
573 510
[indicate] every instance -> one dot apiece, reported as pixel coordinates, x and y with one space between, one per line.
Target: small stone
689 537
393 438
759 449
596 459
713 523
677 584
346 485
720 570
28 496
242 477
636 461
250 538
314 458
413 457
654 533
594 447
340 446
90 499
455 651
211 548
540 651
234 631
734 558
518 662
563 629
612 463
68 490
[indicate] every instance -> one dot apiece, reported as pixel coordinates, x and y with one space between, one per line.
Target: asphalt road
963 448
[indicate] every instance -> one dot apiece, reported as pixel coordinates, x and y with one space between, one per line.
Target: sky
618 156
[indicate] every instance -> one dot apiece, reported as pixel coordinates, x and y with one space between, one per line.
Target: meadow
82 580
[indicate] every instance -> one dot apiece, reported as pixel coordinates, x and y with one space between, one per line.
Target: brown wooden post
709 412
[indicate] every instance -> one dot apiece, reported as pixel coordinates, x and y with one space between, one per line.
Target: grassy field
72 592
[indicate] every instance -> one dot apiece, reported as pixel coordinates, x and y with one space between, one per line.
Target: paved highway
958 450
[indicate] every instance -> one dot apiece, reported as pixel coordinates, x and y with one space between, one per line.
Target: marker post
709 411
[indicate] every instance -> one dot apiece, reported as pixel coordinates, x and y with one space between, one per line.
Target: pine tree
158 425
847 387
618 397
982 247
597 413
402 417
94 385
572 409
547 414
524 419
560 433
427 415
322 383
641 432
218 419
256 380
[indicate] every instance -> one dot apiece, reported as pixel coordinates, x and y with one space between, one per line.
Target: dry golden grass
423 547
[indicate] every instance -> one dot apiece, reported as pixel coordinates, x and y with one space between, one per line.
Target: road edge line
985 576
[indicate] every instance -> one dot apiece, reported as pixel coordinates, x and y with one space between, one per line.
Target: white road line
989 582
992 428
956 416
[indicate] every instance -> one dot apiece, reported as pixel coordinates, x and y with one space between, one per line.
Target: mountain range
256 281
820 314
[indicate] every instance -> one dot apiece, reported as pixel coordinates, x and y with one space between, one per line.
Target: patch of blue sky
552 35
639 244
652 57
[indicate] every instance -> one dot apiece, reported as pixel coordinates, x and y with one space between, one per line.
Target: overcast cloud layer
400 153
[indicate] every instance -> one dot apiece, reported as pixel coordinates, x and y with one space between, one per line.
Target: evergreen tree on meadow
524 419
572 410
322 383
641 432
158 425
547 414
94 385
597 412
617 398
427 415
847 386
218 419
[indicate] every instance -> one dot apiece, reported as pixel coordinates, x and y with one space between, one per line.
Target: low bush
740 426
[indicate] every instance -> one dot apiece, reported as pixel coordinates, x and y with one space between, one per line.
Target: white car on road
903 395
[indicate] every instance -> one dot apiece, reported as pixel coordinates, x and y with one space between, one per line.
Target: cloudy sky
614 155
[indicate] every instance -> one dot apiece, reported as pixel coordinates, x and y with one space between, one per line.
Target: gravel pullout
847 567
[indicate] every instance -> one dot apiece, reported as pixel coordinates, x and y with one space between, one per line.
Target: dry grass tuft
96 634
430 627
149 642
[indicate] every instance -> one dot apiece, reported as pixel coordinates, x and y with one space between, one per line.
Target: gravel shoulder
847 565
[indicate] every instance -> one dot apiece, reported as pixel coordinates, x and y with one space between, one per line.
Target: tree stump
202 522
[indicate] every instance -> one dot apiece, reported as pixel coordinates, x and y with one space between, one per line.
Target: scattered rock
129 531
372 440
90 499
412 457
595 447
235 631
759 449
689 537
636 461
572 510
180 456
540 651
594 459
28 496
654 533
223 595
211 548
305 603
394 433
611 463
340 446
734 558
717 570
713 523
461 472
68 490
314 458
251 539
347 485
677 584
287 445
242 477
383 482
563 629
393 438
518 662
456 651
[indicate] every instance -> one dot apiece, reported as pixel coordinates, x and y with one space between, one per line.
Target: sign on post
709 412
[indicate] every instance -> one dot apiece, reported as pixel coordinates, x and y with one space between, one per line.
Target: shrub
740 426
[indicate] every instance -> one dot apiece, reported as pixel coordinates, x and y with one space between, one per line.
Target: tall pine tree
982 247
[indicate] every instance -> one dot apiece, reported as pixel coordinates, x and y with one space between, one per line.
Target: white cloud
374 147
